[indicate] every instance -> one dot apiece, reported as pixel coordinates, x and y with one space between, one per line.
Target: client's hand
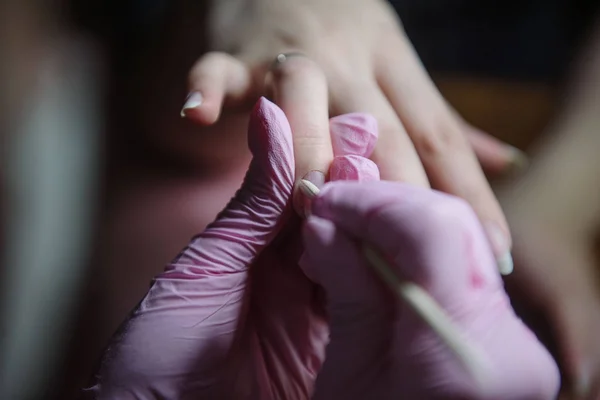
379 348
363 63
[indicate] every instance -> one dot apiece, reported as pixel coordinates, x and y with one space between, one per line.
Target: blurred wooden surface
516 112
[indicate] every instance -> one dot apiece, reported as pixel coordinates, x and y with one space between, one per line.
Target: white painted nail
309 188
193 100
500 248
582 385
518 162
506 264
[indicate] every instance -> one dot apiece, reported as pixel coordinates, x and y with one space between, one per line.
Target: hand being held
358 60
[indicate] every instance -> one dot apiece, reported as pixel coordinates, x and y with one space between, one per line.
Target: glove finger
432 238
256 213
353 138
215 80
353 134
353 168
358 308
355 304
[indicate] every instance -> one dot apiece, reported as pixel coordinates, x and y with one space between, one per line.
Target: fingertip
215 78
353 168
518 162
265 104
319 235
318 232
353 134
309 189
495 156
505 264
266 113
192 102
306 190
201 109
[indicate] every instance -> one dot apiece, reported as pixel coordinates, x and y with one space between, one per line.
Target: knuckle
214 57
436 139
311 134
298 67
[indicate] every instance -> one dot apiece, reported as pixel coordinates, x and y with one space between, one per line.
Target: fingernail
193 100
316 178
518 161
582 385
310 186
500 248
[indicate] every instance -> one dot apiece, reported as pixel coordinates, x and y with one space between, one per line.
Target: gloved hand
379 348
233 316
199 323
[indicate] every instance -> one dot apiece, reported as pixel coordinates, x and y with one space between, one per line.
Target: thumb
177 341
253 217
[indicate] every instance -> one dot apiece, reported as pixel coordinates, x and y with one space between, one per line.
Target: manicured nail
506 263
193 100
582 385
310 186
315 178
500 248
518 161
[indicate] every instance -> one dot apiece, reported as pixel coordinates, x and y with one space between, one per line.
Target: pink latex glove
233 316
380 349
200 333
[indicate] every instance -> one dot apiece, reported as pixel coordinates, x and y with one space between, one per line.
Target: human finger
394 152
495 156
215 78
442 147
300 89
353 137
200 295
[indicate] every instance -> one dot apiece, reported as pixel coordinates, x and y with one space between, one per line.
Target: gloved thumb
255 214
183 329
360 313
